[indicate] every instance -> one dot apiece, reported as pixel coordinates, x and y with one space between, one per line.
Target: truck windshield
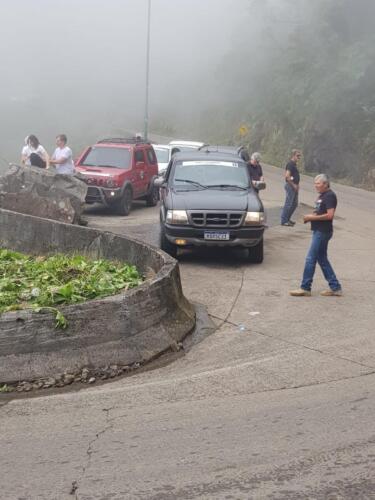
107 157
214 174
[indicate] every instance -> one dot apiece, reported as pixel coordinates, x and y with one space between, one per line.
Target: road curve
278 403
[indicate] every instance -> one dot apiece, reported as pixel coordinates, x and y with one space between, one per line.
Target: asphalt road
278 403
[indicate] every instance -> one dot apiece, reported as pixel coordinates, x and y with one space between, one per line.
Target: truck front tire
166 245
256 253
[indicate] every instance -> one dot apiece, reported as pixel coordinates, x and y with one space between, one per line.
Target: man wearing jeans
292 179
322 231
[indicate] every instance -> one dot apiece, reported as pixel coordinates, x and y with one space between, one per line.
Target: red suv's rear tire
153 198
124 205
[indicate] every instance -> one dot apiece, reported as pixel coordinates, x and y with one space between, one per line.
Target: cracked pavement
278 403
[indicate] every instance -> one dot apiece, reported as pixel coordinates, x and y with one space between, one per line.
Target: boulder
42 193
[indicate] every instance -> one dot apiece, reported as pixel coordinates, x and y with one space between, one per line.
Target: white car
186 146
163 154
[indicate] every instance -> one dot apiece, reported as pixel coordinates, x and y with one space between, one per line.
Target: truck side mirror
159 181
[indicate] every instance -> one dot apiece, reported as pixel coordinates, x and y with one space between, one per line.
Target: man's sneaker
300 293
289 224
292 222
331 293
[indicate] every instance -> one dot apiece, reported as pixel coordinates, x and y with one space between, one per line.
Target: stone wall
130 327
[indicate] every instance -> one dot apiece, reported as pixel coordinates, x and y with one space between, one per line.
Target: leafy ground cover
45 283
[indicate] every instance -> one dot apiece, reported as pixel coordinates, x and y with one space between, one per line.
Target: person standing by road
62 158
255 170
33 153
292 179
322 231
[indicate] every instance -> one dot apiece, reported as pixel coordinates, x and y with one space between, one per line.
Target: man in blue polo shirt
322 231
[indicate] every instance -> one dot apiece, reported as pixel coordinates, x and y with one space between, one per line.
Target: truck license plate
211 235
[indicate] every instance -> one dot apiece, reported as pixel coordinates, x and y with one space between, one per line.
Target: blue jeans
318 254
291 202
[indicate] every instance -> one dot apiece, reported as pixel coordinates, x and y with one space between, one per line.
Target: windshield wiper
192 182
226 186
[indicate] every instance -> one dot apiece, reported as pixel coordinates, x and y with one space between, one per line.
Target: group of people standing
321 220
35 155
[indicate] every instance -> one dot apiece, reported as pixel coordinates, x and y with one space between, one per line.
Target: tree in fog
302 74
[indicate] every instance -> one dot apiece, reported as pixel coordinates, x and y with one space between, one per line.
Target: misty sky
79 65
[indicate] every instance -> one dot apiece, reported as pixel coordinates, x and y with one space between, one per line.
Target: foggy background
78 66
297 73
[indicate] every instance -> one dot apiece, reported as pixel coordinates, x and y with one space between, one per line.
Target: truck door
140 172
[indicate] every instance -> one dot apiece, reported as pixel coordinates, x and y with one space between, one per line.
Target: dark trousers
291 202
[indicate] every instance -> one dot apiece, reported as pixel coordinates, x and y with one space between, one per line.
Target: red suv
119 171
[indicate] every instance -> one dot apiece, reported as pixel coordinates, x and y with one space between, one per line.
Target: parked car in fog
164 153
207 199
186 145
240 151
118 171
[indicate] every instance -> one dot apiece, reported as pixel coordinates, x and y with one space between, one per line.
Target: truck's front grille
216 219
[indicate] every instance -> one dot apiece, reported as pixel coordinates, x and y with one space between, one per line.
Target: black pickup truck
207 199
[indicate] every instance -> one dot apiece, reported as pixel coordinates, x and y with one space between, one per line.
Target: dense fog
297 73
78 66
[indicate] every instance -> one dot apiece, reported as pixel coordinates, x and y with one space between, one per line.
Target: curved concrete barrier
130 327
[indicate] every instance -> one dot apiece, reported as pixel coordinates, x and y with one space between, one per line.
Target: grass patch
45 283
5 388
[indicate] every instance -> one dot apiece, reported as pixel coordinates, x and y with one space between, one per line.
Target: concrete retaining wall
126 328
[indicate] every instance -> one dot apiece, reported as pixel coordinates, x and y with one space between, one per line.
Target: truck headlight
254 218
177 217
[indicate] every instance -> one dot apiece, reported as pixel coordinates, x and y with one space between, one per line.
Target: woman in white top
34 154
62 158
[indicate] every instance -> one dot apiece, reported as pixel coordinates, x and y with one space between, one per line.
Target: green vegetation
302 74
45 283
4 388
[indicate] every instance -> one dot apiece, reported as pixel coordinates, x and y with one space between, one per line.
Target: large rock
42 193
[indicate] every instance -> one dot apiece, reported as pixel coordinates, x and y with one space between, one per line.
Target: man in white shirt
62 158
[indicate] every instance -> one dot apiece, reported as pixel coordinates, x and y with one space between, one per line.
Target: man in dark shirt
292 179
322 231
255 170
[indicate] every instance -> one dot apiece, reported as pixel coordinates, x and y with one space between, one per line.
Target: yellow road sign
243 130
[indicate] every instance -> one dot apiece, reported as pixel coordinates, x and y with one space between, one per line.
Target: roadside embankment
131 327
